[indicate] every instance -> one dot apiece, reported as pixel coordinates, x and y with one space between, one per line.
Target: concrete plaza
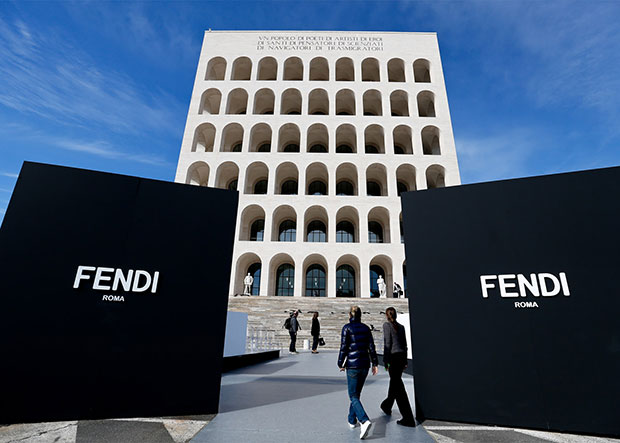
297 398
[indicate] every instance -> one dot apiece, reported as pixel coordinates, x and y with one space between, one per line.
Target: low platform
240 361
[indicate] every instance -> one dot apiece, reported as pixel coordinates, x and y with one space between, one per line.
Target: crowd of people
358 356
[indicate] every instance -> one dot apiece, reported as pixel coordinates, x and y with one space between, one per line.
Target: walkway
300 398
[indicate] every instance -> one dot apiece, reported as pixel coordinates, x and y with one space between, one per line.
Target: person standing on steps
293 332
315 331
395 360
357 351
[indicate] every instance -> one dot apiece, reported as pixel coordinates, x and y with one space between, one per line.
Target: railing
261 340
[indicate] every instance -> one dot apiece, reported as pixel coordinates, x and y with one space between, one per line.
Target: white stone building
319 132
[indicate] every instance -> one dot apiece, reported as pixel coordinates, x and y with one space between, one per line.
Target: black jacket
357 346
316 327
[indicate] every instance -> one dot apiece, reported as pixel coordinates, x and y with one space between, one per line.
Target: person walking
315 331
395 360
293 332
357 352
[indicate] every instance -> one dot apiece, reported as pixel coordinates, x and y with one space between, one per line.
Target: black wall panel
68 353
555 365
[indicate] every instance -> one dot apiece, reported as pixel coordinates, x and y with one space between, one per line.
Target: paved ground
298 398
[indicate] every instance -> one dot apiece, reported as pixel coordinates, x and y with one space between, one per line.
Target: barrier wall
105 285
514 301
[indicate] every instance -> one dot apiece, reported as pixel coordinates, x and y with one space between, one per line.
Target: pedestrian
395 360
315 331
357 351
293 332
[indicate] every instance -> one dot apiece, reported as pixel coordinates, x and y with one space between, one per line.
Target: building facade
320 132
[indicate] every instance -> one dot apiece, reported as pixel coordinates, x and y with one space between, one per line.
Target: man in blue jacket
357 350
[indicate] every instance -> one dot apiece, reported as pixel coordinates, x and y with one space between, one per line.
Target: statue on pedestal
382 287
248 281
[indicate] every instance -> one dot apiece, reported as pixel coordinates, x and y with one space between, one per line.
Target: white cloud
4 190
43 73
9 174
497 157
105 150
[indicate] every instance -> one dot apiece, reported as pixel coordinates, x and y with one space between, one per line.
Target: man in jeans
357 350
293 332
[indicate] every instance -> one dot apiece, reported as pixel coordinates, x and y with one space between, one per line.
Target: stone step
266 316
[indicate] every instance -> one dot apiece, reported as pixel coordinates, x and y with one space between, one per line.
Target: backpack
287 323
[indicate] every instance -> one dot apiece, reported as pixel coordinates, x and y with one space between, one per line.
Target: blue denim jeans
355 381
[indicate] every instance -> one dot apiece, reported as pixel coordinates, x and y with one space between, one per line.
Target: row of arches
316 275
317 139
317 103
317 181
318 70
316 225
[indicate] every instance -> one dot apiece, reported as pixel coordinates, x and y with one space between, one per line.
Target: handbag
321 341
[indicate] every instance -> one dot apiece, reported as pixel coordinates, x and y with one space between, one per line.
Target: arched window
216 69
421 71
345 281
267 68
210 102
401 187
345 232
430 141
396 70
317 187
287 231
344 149
232 185
289 187
375 232
426 104
254 271
344 187
315 281
370 70
373 188
372 102
375 272
264 101
265 147
257 231
317 232
345 102
291 147
242 68
237 102
398 150
260 187
344 70
319 69
371 149
293 69
285 277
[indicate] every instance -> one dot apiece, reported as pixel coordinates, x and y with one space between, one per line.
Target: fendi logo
542 284
112 279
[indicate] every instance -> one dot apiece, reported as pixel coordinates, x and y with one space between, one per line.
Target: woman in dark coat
315 332
395 360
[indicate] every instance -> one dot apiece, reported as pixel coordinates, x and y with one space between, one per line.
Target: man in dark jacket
357 351
293 332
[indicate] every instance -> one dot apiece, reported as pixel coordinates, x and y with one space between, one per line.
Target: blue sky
533 86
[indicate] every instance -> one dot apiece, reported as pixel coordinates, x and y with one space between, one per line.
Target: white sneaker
352 426
365 429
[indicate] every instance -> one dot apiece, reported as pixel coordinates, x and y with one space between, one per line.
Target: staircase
266 315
